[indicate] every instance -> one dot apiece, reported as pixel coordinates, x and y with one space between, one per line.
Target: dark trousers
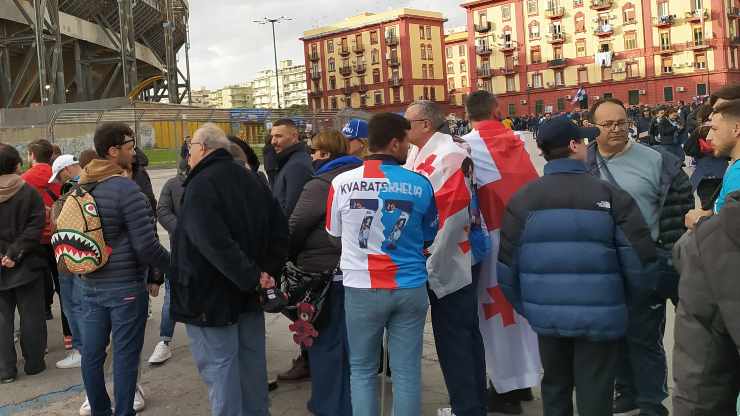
29 299
460 349
587 366
51 285
329 361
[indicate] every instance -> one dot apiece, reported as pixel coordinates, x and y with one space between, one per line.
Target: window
433 94
449 52
532 7
397 94
374 37
700 61
663 8
426 93
450 68
431 71
423 52
633 97
633 70
330 46
555 27
628 13
580 21
559 78
430 53
557 52
332 82
461 50
463 67
698 35
344 44
667 65
463 82
424 71
668 94
509 62
378 98
422 34
561 104
451 84
483 19
580 47
512 109
510 84
630 40
701 89
582 75
331 65
537 80
606 73
333 103
375 54
376 75
665 39
506 12
608 95
429 32
534 30
536 55
605 47
539 107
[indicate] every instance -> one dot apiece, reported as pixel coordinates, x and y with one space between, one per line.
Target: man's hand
7 262
693 217
153 289
266 281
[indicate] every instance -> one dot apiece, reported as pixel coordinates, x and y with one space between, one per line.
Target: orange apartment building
536 54
376 61
458 77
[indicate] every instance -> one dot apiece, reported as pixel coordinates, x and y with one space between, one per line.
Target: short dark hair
728 92
285 122
480 105
595 106
383 128
41 150
729 108
9 159
560 152
109 135
87 156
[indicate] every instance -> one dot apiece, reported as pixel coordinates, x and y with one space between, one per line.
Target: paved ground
176 389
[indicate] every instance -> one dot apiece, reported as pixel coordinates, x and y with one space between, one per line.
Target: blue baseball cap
355 129
559 131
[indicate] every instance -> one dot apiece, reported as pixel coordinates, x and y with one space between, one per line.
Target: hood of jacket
38 176
99 170
9 186
285 155
730 218
338 162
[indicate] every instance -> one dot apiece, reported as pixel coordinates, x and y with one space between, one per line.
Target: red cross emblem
499 306
426 166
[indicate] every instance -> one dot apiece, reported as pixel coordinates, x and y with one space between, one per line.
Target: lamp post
272 21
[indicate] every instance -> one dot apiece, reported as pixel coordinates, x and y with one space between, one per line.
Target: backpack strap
54 197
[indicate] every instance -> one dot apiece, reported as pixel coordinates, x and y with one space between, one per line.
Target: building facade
234 96
457 58
200 96
377 61
293 88
535 55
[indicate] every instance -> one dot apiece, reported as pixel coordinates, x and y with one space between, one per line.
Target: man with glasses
662 191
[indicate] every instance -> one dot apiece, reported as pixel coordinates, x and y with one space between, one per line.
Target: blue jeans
120 309
642 374
166 324
70 307
232 362
402 312
329 361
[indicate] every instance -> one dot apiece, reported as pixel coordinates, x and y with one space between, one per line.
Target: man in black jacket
294 164
662 191
231 237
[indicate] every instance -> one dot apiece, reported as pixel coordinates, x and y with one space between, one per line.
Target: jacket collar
730 217
386 159
565 165
285 155
219 155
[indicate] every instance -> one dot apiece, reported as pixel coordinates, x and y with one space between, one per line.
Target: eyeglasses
421 119
192 143
620 125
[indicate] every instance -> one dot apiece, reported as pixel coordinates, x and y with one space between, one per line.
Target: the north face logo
604 204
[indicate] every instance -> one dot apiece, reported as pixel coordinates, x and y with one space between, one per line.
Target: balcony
313 56
509 70
555 38
484 72
345 71
391 40
343 50
347 90
360 68
665 49
700 66
393 61
358 49
395 82
555 12
315 94
697 15
601 4
664 21
483 50
315 75
604 30
361 87
733 12
508 47
557 63
697 45
482 27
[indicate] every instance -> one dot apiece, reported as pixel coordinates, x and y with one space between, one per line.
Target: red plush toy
303 328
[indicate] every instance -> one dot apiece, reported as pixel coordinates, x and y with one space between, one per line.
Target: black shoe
272 385
506 403
524 395
624 405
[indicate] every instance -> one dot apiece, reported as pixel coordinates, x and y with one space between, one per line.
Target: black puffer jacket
295 170
128 225
22 218
310 246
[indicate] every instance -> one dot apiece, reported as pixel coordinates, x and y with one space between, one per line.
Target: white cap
60 163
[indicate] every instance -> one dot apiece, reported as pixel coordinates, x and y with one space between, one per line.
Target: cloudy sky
228 48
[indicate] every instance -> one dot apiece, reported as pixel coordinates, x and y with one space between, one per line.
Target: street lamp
272 21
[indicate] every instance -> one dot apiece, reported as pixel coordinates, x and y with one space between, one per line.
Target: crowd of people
560 281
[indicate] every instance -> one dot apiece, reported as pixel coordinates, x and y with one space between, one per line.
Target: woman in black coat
22 268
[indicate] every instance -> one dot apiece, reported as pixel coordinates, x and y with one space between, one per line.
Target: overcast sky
227 48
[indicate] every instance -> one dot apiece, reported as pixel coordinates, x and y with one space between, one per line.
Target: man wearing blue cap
356 133
569 261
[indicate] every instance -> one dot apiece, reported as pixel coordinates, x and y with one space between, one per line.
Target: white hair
212 137
431 111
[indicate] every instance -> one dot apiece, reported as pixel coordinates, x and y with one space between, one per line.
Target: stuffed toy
303 328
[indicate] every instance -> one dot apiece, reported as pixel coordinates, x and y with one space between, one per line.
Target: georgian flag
502 167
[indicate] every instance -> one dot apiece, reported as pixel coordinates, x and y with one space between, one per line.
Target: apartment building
457 58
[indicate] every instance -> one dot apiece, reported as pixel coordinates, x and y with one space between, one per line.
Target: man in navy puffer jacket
572 254
114 299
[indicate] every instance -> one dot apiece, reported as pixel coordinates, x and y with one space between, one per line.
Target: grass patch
162 158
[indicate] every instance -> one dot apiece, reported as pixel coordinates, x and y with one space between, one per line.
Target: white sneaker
73 360
139 403
445 411
85 409
161 354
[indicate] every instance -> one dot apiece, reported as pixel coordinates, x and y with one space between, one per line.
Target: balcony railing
315 75
395 82
393 61
482 27
601 4
358 49
665 49
361 87
733 12
698 44
360 68
345 71
315 94
511 69
604 30
483 50
557 63
508 46
313 56
347 90
696 15
484 72
555 38
700 65
343 50
391 40
555 12
665 21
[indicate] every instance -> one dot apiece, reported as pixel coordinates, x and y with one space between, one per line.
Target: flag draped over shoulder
502 166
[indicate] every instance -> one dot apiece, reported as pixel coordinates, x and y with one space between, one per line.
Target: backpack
78 243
